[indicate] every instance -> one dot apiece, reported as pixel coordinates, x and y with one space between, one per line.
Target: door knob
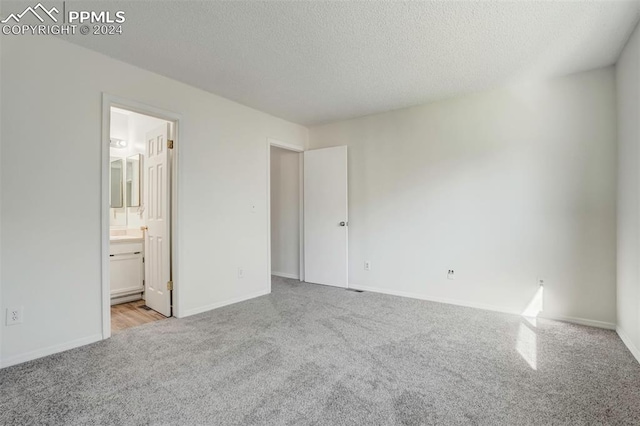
143 228
343 223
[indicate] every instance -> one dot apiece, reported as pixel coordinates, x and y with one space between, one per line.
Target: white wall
2 311
628 83
51 253
503 187
285 213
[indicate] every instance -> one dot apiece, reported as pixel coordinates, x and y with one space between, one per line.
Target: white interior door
325 216
157 267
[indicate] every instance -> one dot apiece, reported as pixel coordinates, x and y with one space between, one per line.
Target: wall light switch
240 273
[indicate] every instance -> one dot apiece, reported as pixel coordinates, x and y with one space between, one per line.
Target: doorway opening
308 214
285 165
138 215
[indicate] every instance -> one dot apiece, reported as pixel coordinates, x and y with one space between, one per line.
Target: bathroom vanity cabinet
126 256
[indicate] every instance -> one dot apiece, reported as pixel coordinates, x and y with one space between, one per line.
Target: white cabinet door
126 274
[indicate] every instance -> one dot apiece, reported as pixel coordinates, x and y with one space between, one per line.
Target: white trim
39 353
295 148
201 309
286 275
104 216
284 145
579 321
175 194
433 299
301 207
635 351
109 101
269 214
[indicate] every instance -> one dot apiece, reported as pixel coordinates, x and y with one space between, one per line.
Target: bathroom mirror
134 165
116 183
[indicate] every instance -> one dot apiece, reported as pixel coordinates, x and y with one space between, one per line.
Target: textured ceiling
313 62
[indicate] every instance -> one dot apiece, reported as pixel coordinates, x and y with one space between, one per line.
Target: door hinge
170 143
170 285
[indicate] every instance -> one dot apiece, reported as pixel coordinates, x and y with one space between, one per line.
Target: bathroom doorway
138 215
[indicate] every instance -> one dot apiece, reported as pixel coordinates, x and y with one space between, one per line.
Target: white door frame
109 101
279 144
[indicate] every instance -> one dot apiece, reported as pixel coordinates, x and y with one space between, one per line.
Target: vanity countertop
125 238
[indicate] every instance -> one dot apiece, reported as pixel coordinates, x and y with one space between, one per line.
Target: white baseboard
201 309
434 299
628 343
581 321
39 353
286 275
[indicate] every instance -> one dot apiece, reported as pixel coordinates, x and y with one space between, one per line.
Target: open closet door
157 266
325 216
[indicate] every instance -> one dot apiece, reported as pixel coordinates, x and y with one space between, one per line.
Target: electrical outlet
541 282
14 315
240 273
367 265
451 275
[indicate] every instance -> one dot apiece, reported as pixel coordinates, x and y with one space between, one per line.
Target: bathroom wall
119 130
131 127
